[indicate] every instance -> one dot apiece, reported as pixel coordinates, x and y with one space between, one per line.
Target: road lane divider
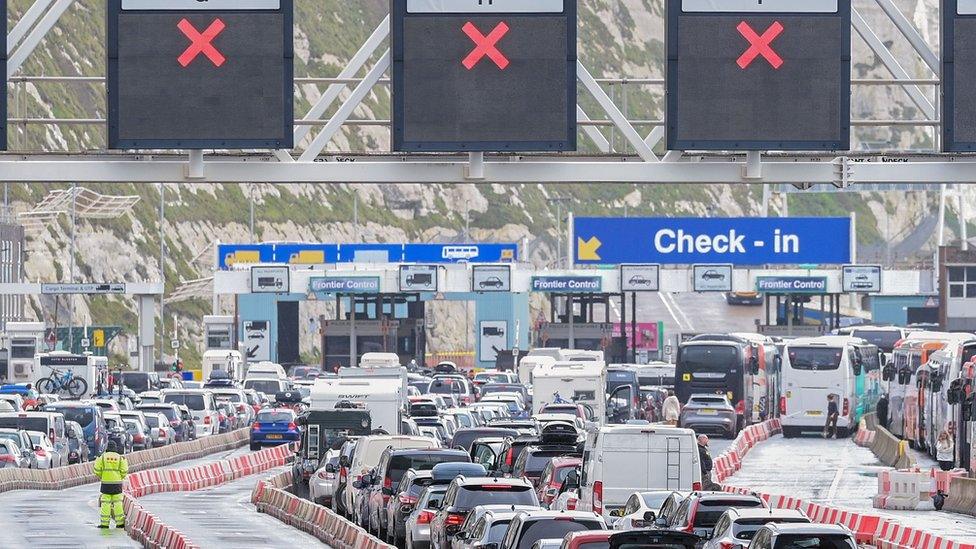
271 496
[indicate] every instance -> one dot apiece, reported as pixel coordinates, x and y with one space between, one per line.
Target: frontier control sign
732 240
483 75
200 75
791 284
567 284
758 75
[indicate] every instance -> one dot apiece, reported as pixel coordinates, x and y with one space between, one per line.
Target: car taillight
162 433
847 406
254 427
221 418
388 483
571 504
292 426
727 545
138 438
510 457
206 420
782 405
174 423
598 497
453 519
696 486
240 408
407 499
9 458
424 517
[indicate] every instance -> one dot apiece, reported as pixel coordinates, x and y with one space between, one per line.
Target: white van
529 363
379 360
619 460
266 370
814 368
367 455
382 397
578 355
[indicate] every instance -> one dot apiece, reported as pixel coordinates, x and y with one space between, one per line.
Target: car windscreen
654 501
554 528
191 401
883 339
38 424
465 438
709 512
494 494
537 461
445 387
502 388
707 401
490 378
136 381
421 462
816 541
275 417
595 545
747 528
83 416
707 358
152 421
232 397
434 498
266 386
497 531
815 358
167 411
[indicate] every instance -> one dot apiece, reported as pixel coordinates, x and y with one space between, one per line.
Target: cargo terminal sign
733 240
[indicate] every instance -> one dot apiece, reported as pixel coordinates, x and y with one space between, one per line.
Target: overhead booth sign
483 75
567 284
344 285
186 74
758 75
791 284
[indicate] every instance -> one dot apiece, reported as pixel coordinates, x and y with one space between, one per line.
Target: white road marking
676 313
835 485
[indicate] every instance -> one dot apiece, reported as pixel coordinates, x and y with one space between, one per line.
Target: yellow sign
98 338
686 377
586 249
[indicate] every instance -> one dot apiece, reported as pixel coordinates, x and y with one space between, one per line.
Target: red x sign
759 45
485 45
201 42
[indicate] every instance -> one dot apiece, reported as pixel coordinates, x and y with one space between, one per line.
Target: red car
578 540
553 476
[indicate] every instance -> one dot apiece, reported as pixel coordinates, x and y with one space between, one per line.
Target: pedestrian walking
945 451
882 411
830 428
671 408
111 468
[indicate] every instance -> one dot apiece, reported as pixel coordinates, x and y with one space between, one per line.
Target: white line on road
680 318
835 485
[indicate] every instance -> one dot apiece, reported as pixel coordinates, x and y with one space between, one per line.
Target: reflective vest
111 468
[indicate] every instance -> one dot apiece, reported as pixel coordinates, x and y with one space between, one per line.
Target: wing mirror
330 468
461 536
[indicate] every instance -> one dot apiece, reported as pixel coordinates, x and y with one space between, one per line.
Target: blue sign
567 284
735 240
306 254
791 284
344 284
460 253
370 253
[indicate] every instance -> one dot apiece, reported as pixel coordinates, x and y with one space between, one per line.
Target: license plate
708 412
814 413
274 437
638 524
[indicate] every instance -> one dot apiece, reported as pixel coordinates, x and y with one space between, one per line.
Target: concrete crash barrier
271 497
962 496
890 450
78 474
730 461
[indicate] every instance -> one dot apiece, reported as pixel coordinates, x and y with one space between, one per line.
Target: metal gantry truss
631 158
87 204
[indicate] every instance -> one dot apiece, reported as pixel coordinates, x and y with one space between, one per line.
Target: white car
202 406
803 535
15 401
47 456
640 510
322 483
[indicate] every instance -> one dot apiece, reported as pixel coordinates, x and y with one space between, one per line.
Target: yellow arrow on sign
586 249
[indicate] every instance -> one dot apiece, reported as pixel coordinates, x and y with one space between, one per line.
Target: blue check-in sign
567 284
791 284
344 285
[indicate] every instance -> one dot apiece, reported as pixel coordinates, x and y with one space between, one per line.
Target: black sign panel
958 75
3 101
471 76
758 75
195 75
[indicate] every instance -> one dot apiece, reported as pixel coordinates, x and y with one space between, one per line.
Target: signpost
491 278
958 75
418 278
185 74
758 75
711 278
735 240
270 280
484 75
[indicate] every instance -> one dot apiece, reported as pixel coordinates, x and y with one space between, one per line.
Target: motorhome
379 360
266 370
529 363
583 383
56 364
223 360
396 373
384 399
23 340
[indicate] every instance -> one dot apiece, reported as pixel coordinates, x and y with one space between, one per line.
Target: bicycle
63 382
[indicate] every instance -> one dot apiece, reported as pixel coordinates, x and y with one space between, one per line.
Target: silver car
486 524
24 445
11 456
160 430
322 483
47 456
712 414
736 527
418 523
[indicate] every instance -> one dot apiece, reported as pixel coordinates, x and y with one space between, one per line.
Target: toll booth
583 322
387 323
23 341
787 305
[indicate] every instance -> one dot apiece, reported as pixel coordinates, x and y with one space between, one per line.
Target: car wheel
255 447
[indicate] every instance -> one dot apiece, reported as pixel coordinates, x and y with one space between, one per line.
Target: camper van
529 363
81 366
399 374
223 360
384 398
582 383
379 360
621 459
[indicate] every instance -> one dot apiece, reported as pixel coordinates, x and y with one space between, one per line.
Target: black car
390 470
403 502
651 539
534 459
467 493
511 451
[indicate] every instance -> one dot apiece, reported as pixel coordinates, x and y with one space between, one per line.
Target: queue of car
474 468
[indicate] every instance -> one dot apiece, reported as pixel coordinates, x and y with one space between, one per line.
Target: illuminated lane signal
201 42
485 45
760 45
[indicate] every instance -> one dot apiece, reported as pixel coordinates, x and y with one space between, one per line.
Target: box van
266 370
270 386
367 456
50 424
619 460
202 407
